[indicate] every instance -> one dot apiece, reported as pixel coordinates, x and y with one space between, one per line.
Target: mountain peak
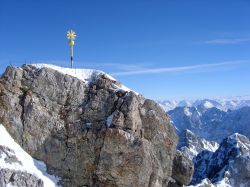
230 162
85 75
87 129
82 74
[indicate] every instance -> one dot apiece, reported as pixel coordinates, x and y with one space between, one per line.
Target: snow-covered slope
85 75
224 104
13 157
228 166
191 145
207 183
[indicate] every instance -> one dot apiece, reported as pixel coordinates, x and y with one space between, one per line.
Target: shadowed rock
183 169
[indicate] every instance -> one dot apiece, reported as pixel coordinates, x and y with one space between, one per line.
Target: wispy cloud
225 41
124 67
120 69
200 67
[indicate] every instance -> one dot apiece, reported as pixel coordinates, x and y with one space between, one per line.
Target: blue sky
163 49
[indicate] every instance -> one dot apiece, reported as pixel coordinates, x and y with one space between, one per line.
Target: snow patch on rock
85 75
109 120
25 161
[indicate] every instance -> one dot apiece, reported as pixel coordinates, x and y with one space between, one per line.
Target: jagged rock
229 164
18 178
87 134
191 144
183 169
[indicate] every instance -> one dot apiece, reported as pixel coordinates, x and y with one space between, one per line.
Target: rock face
88 134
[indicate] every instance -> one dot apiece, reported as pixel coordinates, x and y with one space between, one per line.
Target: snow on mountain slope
229 165
211 123
85 75
168 105
203 123
207 183
224 104
15 158
191 145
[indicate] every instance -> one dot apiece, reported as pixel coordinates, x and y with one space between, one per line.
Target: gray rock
62 121
19 179
183 169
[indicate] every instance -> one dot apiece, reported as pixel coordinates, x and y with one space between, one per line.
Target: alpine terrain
72 127
215 134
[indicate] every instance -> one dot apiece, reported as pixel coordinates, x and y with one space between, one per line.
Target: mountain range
211 123
215 135
227 103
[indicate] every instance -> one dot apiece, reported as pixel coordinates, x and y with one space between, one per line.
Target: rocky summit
90 131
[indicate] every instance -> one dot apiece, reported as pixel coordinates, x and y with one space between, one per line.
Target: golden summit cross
71 35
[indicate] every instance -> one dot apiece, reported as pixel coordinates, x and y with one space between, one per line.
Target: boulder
183 169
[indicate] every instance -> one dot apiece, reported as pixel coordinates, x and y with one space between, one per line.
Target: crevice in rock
22 103
97 158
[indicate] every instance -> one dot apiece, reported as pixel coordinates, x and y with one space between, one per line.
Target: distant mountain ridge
211 123
229 103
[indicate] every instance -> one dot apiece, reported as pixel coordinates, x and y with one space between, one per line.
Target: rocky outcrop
18 178
15 177
89 134
183 169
